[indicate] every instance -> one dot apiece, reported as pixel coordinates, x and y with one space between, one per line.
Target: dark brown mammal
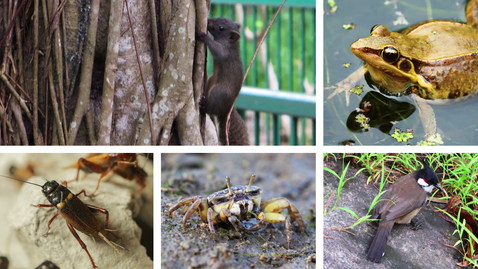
226 81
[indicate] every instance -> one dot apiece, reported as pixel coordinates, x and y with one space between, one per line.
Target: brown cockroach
122 164
77 215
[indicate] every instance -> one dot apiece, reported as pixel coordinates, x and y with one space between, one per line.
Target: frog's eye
390 54
374 27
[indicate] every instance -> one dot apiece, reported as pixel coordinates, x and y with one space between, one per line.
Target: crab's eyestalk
253 178
228 182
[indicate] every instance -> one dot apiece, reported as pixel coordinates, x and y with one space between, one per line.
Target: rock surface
406 248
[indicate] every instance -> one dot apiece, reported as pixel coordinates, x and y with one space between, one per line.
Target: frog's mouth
373 58
389 75
389 80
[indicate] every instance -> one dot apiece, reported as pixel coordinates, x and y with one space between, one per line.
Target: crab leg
186 201
191 210
288 231
210 222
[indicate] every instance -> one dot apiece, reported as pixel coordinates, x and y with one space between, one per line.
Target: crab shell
239 203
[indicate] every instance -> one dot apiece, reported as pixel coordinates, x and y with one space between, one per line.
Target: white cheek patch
426 187
422 182
429 189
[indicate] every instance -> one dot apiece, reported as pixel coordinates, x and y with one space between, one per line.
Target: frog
435 62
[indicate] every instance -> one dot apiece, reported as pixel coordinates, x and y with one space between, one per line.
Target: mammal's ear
234 36
237 25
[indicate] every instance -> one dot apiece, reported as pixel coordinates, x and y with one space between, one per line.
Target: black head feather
428 174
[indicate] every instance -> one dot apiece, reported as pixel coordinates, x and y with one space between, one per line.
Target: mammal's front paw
201 36
202 104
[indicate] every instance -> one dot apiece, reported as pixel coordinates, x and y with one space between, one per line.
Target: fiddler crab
240 203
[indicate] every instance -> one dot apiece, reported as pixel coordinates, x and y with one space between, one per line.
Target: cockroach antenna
23 181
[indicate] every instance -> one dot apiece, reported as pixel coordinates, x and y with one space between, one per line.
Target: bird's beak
438 186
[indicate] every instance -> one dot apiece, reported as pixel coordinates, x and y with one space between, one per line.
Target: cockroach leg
81 243
101 177
51 220
100 210
49 223
122 164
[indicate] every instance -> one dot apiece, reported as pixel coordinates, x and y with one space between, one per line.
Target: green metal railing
290 50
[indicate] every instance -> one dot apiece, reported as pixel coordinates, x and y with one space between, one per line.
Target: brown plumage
399 205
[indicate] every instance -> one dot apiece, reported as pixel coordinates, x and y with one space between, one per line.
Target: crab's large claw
276 205
262 222
271 212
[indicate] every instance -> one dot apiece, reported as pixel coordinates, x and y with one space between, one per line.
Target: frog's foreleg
427 116
348 83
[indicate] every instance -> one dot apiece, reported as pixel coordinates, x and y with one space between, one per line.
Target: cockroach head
49 187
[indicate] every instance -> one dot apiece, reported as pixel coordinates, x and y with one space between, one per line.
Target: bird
400 204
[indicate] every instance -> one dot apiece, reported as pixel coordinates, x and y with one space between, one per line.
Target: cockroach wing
79 216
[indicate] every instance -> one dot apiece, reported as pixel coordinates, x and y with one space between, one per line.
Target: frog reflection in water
434 60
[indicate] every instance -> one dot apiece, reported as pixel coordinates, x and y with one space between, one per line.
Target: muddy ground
279 175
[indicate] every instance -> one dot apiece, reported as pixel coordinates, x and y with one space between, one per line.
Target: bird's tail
375 252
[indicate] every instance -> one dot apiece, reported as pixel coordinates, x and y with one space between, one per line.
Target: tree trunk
78 79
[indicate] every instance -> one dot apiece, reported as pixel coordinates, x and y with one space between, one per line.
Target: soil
279 175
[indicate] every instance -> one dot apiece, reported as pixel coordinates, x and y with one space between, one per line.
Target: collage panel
103 216
147 73
163 72
400 73
228 210
400 210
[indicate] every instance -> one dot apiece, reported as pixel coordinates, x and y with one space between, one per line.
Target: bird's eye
221 28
